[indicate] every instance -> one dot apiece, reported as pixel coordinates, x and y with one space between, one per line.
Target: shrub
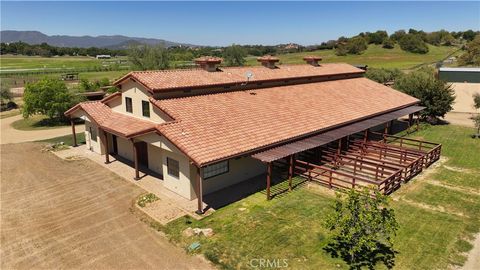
437 96
413 43
388 43
148 198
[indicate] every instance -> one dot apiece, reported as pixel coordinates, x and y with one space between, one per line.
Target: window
173 167
215 169
93 134
128 104
145 108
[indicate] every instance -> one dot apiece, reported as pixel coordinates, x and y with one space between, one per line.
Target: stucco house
204 129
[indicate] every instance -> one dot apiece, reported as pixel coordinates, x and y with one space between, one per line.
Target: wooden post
390 126
410 122
269 176
418 121
365 136
290 174
199 192
135 160
105 142
73 133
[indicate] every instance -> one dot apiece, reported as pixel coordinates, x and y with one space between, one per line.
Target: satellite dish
249 75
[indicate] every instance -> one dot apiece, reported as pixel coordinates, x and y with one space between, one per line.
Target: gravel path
10 135
60 214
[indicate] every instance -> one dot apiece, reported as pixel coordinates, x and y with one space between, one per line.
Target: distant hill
111 42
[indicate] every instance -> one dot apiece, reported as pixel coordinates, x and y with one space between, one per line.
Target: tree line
47 50
414 41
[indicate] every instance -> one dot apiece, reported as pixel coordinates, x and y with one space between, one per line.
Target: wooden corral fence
360 162
342 176
430 150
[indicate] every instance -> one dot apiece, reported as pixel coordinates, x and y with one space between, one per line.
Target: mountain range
111 42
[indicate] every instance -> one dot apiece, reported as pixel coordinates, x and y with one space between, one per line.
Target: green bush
388 43
382 75
148 198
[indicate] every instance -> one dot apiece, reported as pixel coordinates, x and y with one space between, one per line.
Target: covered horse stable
353 156
206 130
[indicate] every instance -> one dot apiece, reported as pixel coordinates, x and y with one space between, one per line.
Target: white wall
94 146
185 183
239 170
155 162
138 94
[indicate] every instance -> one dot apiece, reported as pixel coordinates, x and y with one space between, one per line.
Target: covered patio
354 155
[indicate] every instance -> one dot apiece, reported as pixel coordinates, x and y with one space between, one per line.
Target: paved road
60 214
10 135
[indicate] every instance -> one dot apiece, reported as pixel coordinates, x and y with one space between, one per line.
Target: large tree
49 97
413 43
148 57
234 55
437 96
363 226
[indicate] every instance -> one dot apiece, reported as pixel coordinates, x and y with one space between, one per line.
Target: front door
142 153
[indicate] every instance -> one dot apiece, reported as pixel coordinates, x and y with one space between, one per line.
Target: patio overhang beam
292 148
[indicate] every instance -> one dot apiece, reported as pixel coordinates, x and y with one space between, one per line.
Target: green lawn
37 122
67 139
438 214
375 56
37 62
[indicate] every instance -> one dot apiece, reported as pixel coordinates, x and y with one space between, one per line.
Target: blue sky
224 23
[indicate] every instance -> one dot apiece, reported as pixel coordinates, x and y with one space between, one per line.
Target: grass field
36 122
437 212
36 62
375 56
67 139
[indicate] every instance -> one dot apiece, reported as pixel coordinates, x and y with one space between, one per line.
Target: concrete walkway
8 134
172 204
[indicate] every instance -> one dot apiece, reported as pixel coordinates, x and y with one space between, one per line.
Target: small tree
234 55
363 227
437 96
145 57
49 97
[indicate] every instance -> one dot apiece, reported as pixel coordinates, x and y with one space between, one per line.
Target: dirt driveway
58 214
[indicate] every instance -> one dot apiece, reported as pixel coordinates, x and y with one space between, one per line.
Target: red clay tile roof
213 127
159 80
114 122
